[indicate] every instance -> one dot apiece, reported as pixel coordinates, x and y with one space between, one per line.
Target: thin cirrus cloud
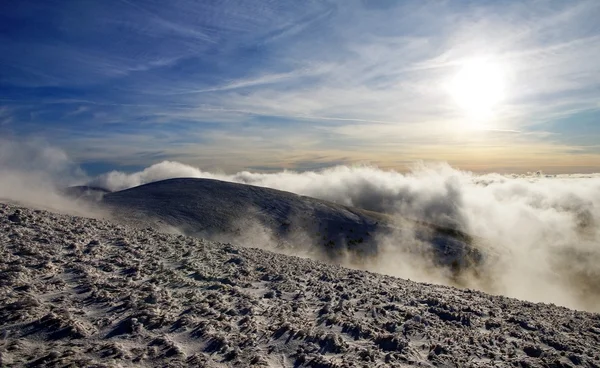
235 83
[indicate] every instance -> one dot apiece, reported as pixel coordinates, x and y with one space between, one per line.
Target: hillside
84 292
234 212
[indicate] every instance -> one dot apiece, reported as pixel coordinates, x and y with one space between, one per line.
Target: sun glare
478 87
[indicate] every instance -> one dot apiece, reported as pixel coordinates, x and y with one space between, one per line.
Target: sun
478 87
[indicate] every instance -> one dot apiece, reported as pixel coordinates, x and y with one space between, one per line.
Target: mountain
79 292
238 212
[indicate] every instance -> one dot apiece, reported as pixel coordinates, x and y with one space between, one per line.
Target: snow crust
86 292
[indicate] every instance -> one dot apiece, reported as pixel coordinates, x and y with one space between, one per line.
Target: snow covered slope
232 212
81 292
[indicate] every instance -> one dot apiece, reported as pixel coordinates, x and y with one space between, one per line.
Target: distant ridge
224 210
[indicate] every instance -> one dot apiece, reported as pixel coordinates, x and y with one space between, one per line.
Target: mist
34 173
539 233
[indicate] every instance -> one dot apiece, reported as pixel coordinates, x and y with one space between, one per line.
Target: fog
540 234
34 173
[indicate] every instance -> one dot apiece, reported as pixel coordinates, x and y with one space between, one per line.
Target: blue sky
265 85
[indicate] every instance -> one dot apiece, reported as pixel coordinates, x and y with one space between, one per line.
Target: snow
86 292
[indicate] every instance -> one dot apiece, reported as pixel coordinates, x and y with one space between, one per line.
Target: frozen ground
82 292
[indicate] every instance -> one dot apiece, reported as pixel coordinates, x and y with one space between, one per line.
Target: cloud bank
540 232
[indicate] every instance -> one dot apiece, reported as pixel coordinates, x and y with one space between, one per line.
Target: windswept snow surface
84 292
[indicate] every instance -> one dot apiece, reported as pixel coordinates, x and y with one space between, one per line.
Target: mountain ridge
217 209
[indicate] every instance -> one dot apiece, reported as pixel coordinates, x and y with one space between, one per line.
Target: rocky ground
82 292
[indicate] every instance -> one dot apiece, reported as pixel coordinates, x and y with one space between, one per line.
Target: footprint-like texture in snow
78 292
